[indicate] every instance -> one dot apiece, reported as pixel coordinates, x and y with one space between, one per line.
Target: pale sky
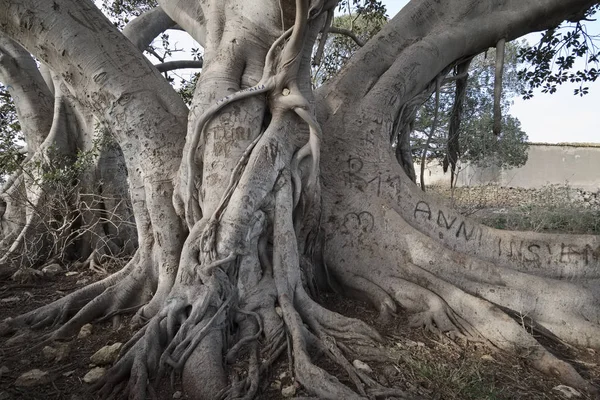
559 117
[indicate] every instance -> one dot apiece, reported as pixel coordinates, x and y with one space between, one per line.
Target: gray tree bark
238 217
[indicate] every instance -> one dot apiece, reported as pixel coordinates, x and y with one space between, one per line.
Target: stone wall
576 165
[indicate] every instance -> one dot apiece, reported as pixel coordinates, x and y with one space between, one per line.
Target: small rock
276 384
591 351
26 274
49 353
52 270
567 391
68 373
85 331
4 370
71 273
94 375
487 357
289 391
82 281
390 371
12 299
107 354
283 375
32 378
62 351
362 366
177 395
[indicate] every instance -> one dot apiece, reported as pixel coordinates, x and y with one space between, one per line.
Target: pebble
107 354
85 331
288 391
32 378
94 375
360 365
52 269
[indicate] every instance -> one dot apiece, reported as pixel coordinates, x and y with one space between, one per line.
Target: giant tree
267 190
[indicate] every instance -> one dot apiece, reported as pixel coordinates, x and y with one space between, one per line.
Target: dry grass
553 208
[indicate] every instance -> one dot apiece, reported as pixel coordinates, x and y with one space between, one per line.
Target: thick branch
145 28
425 37
188 15
33 101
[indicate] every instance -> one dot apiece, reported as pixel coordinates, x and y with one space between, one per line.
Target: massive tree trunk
274 182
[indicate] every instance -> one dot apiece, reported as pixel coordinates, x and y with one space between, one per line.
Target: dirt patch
422 364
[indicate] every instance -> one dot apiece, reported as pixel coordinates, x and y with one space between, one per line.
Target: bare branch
179 64
349 33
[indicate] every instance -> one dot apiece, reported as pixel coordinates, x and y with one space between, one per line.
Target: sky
552 118
548 118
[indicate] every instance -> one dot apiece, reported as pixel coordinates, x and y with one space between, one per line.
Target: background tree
475 141
266 190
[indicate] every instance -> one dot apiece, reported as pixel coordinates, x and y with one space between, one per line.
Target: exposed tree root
239 298
465 297
124 291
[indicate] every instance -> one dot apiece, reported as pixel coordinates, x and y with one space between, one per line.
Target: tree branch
144 29
188 15
179 64
383 74
33 100
349 33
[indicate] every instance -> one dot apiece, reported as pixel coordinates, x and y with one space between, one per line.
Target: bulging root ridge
259 305
441 307
122 292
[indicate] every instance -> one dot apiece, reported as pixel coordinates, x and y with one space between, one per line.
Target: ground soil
423 364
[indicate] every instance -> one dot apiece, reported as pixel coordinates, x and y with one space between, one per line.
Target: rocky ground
553 208
425 365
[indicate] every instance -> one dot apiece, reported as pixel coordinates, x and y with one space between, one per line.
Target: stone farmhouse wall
576 165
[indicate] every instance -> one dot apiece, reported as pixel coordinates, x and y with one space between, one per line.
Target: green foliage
10 136
365 21
123 11
480 146
552 61
477 142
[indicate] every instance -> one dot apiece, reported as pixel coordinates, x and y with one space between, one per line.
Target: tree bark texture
239 213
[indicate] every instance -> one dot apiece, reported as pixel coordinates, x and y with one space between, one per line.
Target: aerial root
312 149
325 331
166 342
